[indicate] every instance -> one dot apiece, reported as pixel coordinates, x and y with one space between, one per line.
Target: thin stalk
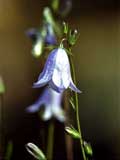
77 111
50 141
68 139
1 127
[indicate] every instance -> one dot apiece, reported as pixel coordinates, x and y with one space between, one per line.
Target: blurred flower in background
51 100
62 7
40 38
48 33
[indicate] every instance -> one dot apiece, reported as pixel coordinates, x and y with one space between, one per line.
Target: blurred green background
97 61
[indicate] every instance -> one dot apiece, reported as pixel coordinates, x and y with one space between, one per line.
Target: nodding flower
51 100
40 38
56 72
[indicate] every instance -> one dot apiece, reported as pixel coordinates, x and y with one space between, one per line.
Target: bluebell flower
45 36
56 72
52 103
46 33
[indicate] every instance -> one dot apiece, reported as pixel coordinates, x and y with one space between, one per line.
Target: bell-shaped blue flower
56 72
52 103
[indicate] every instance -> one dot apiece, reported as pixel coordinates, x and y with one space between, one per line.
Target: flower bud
65 28
38 48
73 132
35 151
88 149
72 37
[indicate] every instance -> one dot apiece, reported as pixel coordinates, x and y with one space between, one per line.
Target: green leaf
72 103
2 86
9 150
88 148
35 151
73 132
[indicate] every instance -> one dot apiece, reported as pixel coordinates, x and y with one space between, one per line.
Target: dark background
97 61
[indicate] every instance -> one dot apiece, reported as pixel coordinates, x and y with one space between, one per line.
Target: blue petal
56 88
61 75
59 113
46 75
66 75
36 106
32 33
43 99
33 108
47 113
50 37
73 87
56 108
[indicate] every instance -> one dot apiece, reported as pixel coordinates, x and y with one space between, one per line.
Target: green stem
77 111
68 139
1 127
50 141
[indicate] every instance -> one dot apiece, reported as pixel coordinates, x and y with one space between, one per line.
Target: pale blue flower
56 72
52 103
46 33
45 36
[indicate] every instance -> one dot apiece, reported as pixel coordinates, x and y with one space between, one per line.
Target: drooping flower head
46 33
56 72
40 38
52 103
